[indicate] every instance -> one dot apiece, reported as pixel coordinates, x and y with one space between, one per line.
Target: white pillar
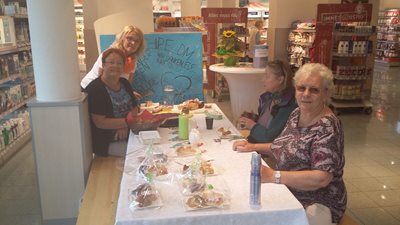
55 56
59 114
191 8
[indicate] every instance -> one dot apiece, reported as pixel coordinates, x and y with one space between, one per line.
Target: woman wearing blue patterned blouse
309 151
110 100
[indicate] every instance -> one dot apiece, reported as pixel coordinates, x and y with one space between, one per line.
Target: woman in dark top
275 105
110 100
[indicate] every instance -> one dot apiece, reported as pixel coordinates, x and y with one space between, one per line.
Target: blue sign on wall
171 59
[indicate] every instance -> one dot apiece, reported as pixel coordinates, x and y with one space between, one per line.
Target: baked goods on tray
205 199
192 104
144 196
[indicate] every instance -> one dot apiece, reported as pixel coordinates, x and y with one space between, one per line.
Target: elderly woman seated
309 151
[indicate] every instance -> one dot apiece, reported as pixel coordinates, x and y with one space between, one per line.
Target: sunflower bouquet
229 46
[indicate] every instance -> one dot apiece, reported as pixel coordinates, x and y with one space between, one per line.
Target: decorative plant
229 45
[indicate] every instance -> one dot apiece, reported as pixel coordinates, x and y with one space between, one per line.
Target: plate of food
192 104
224 133
185 151
149 105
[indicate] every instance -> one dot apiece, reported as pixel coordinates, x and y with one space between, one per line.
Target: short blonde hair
312 69
119 41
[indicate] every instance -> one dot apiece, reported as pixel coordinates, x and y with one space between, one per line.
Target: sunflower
229 45
229 33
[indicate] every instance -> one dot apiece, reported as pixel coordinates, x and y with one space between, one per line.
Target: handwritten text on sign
171 59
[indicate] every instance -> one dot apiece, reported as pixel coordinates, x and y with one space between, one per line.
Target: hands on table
248 123
243 146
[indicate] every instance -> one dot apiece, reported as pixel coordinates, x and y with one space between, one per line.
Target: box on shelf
7 32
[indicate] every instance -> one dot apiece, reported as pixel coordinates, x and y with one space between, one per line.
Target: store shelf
14 147
358 34
347 97
304 30
17 106
306 44
388 44
349 55
300 42
350 77
13 49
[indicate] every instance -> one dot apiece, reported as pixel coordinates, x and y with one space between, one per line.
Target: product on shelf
300 45
388 45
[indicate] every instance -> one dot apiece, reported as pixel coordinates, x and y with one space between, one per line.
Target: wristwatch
277 177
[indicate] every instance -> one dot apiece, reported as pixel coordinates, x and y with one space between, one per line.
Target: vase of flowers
229 48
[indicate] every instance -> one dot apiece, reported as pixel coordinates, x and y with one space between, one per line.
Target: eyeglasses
312 90
132 39
118 63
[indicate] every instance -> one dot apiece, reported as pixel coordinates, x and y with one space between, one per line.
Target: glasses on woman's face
117 63
312 90
132 39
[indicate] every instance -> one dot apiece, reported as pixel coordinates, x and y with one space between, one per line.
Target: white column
54 50
59 114
191 8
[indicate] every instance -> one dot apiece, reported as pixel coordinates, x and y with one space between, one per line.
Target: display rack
17 84
214 18
344 43
80 37
388 45
299 46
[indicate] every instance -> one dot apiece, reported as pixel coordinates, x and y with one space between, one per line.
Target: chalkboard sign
173 59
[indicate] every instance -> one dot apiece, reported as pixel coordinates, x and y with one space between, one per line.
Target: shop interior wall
114 23
385 4
222 3
96 9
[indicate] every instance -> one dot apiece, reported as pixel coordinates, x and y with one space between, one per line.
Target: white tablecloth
279 206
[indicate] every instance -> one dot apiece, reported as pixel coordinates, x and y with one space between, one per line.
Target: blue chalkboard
171 59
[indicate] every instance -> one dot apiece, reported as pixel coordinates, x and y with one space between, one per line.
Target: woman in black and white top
110 99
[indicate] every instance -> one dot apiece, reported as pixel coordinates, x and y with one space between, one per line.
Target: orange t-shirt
130 65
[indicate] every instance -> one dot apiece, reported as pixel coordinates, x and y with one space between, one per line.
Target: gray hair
312 69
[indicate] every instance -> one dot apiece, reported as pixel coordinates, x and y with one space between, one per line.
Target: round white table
245 86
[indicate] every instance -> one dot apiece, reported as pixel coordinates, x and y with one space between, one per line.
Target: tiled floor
372 172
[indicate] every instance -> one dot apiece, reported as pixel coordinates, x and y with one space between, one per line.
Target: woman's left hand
248 123
137 95
121 134
267 175
242 146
